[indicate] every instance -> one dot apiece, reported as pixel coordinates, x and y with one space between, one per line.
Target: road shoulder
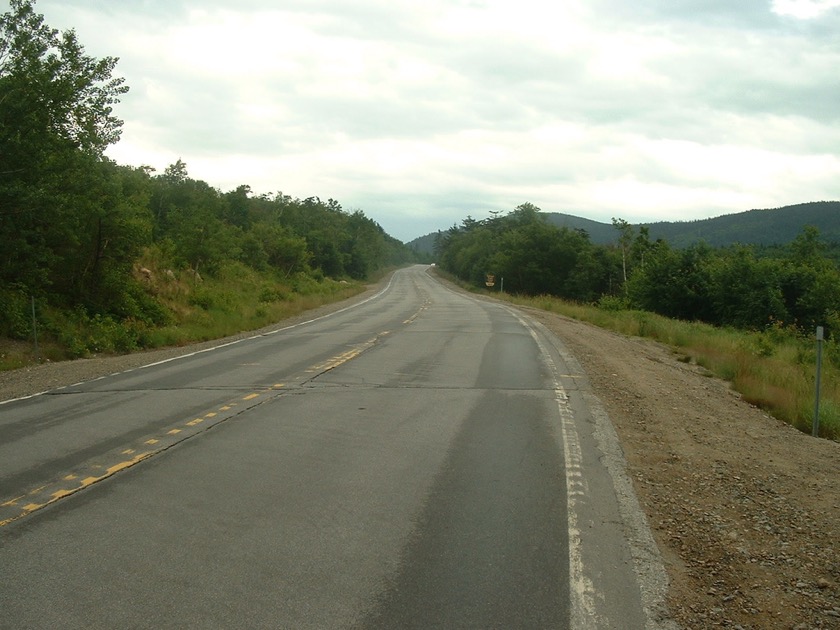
742 506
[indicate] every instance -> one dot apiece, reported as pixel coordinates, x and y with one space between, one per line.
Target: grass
774 369
234 300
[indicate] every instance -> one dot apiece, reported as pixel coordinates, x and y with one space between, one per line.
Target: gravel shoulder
745 509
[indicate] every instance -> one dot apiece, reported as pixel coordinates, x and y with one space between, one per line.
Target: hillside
775 226
755 227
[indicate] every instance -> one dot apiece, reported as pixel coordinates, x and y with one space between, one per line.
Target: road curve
424 459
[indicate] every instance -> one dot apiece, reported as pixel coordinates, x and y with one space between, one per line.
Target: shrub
613 303
15 314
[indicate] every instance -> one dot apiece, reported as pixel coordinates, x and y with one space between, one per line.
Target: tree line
796 286
73 223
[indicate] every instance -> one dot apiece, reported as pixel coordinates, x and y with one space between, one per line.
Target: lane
80 430
420 481
488 550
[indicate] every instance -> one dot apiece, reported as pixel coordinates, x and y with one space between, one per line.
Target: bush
613 303
15 314
201 298
270 293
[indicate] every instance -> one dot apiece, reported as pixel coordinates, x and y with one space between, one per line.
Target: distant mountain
599 233
424 244
776 226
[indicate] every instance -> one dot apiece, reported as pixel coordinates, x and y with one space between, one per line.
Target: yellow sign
490 280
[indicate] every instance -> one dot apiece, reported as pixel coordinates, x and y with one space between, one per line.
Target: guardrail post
815 427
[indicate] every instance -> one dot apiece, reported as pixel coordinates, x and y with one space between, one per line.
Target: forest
82 236
796 286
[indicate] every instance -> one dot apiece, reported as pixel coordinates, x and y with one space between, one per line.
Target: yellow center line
57 494
126 464
60 494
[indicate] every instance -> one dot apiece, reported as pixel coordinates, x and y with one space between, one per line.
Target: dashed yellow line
50 493
344 357
126 464
60 494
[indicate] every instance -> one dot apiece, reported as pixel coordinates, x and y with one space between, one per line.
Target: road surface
423 459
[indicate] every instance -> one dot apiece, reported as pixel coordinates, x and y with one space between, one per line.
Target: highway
422 459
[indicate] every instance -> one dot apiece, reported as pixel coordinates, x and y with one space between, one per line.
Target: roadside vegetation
234 300
96 257
773 369
748 315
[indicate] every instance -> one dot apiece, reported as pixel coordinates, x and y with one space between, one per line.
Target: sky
423 113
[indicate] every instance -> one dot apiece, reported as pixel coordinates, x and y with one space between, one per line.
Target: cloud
422 113
804 9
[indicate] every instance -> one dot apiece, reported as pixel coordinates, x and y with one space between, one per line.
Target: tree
56 120
810 283
50 87
744 291
625 240
674 283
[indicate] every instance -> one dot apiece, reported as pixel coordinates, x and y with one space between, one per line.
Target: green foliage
16 314
797 288
60 203
531 256
74 226
613 303
273 293
773 369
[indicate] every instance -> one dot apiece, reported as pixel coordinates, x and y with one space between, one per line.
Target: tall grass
774 369
235 299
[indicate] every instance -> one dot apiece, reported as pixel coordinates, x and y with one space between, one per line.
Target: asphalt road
424 459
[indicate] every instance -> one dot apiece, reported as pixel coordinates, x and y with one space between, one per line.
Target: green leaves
52 87
721 286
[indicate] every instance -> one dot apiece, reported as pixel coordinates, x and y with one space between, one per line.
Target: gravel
743 507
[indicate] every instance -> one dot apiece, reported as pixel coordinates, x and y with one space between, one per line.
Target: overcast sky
421 113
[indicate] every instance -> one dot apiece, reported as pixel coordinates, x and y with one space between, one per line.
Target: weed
773 369
182 310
